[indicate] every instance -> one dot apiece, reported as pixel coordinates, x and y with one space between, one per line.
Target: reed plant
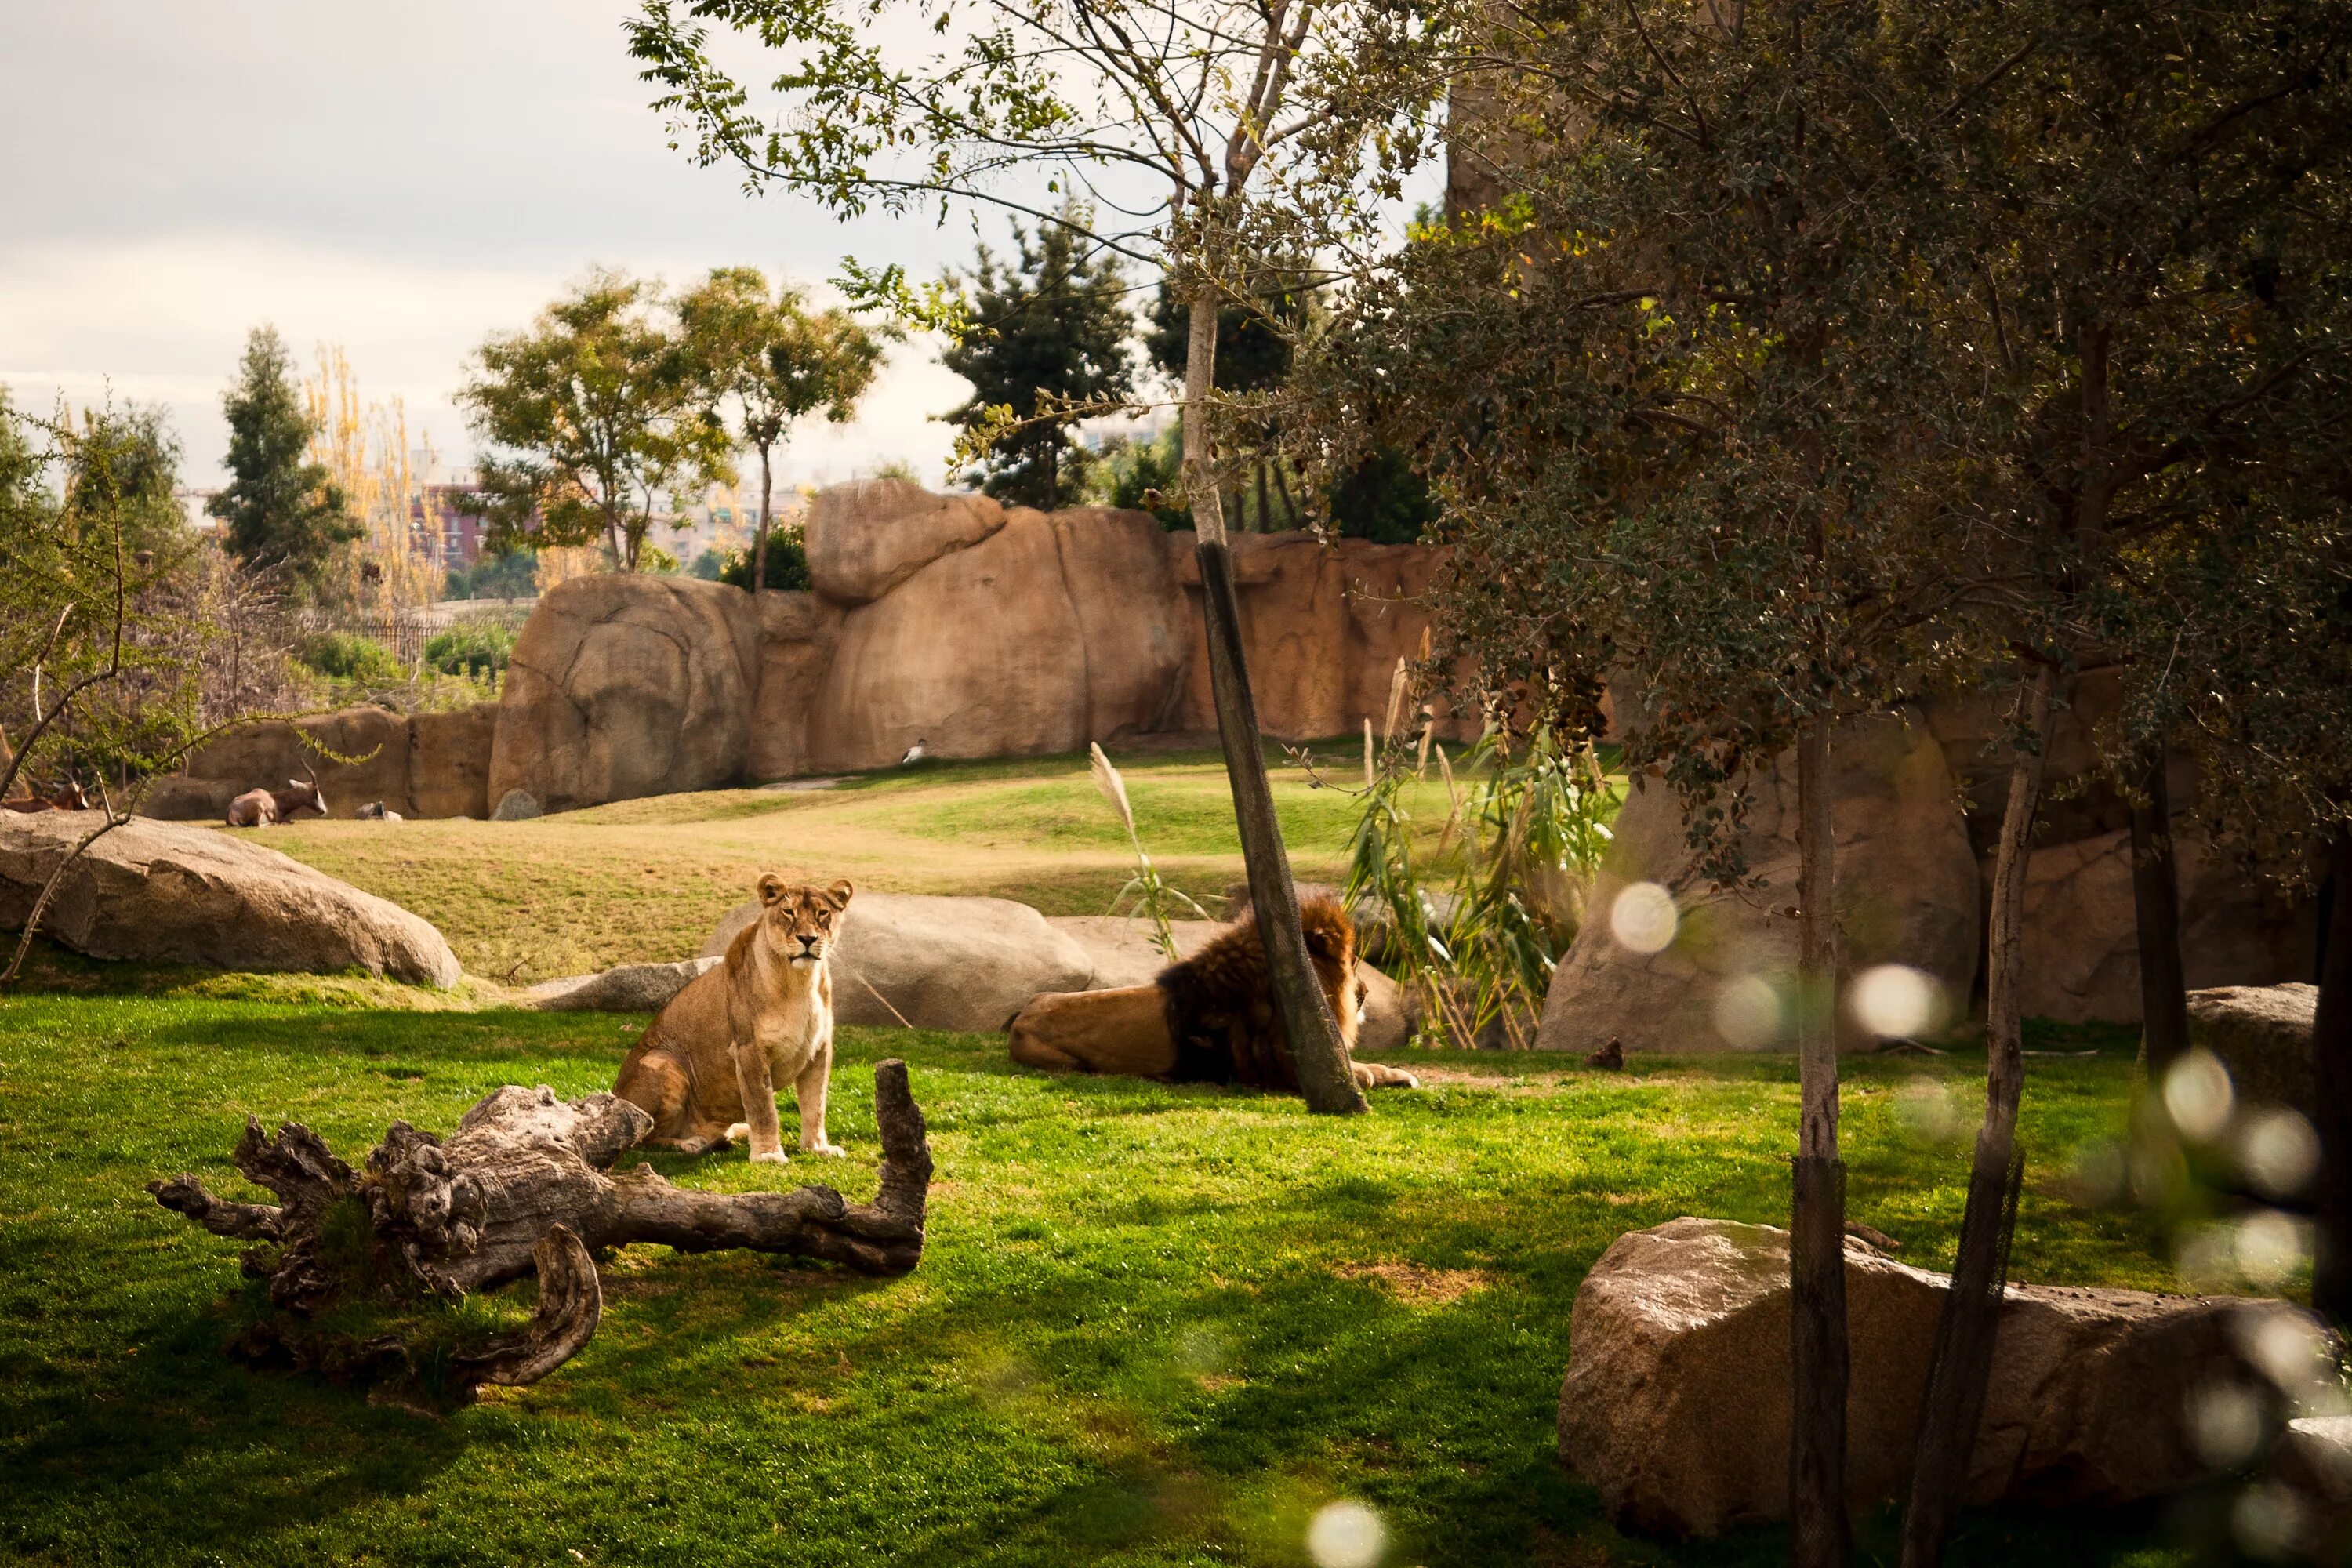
1474 936
1146 893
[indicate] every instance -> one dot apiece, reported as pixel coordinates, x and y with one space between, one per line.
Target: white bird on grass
915 753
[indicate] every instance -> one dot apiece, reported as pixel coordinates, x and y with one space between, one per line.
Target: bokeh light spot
2279 1152
1345 1534
1895 1001
2225 1423
2198 1097
1643 919
1748 1013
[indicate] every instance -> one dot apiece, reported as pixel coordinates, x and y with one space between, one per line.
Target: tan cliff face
983 631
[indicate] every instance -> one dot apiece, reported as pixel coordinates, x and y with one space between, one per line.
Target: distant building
440 515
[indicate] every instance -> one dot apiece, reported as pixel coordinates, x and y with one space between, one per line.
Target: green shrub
347 656
514 577
475 648
787 562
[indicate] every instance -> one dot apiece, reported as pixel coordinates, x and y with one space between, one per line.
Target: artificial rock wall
979 629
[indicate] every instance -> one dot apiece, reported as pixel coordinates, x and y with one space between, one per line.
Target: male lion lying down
1209 1020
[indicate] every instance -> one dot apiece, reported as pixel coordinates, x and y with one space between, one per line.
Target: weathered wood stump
520 1188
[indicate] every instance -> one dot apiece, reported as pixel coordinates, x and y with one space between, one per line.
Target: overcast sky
401 180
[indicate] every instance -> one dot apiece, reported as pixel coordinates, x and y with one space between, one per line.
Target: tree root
520 1188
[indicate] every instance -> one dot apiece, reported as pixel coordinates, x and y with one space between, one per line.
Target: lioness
1209 1019
707 1067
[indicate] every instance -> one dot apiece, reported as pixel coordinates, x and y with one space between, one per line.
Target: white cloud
164 320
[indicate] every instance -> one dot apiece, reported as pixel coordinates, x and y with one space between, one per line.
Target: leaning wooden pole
1320 1063
1819 1535
1962 1365
520 1188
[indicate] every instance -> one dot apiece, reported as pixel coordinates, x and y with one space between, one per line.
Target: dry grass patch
1417 1286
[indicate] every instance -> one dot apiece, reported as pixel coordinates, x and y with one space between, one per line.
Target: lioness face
799 921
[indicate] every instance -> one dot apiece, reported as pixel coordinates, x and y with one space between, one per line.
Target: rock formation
627 685
1907 893
1677 1401
423 764
161 893
983 631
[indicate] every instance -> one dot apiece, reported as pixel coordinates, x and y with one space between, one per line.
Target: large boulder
2082 938
1907 893
1676 1403
624 685
866 538
937 962
449 762
1054 630
2263 1035
161 893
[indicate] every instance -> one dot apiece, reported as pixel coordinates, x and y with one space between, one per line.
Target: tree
1049 332
589 418
1828 353
280 508
770 361
1255 340
102 654
1265 132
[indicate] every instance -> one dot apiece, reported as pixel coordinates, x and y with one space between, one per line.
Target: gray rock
624 988
937 962
516 806
1677 1397
166 892
2263 1035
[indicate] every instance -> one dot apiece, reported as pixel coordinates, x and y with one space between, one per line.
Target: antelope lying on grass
69 797
261 807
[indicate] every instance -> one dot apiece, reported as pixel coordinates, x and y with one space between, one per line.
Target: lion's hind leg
1122 1031
656 1083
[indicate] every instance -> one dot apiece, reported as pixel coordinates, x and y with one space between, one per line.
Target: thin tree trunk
1317 1056
1819 1532
1971 1317
759 544
2331 1052
2156 903
1265 508
1282 485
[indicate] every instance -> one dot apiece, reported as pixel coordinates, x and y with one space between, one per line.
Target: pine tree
280 508
1053 331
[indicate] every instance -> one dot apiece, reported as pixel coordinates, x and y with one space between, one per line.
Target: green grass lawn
1154 1325
645 880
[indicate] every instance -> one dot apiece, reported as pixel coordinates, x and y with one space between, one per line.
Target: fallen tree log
522 1187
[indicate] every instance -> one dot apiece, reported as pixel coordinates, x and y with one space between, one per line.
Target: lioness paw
739 1129
822 1147
769 1157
